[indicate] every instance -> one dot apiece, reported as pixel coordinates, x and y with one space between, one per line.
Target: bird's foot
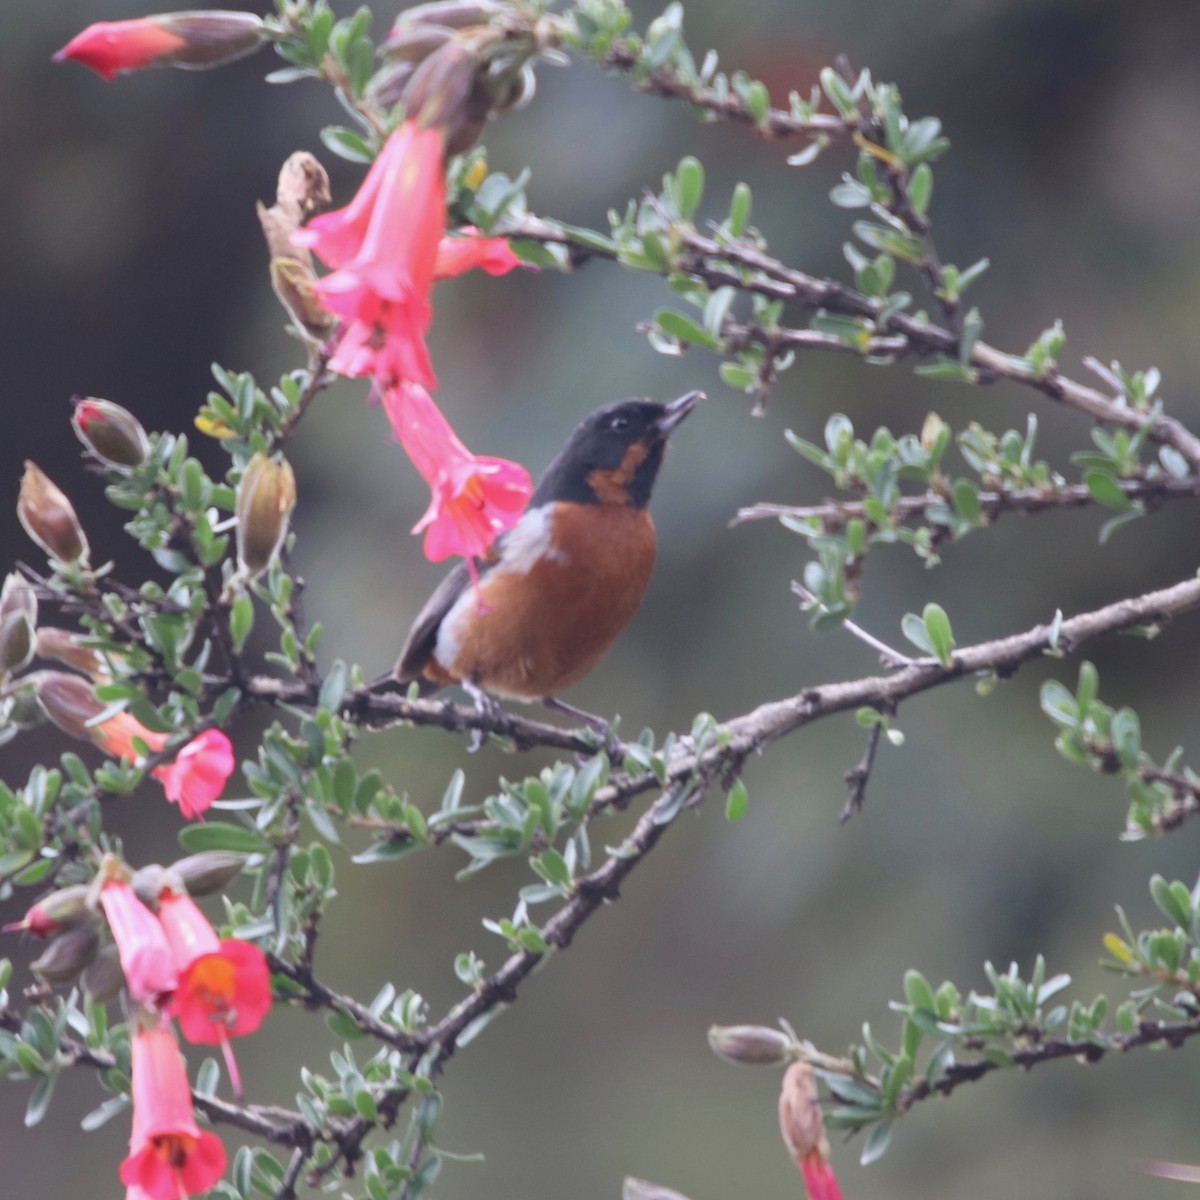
606 737
486 705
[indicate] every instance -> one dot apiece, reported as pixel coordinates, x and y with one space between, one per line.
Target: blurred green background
131 259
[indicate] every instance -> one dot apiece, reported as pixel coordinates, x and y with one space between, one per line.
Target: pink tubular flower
169 1156
224 987
197 775
382 249
145 954
471 249
474 497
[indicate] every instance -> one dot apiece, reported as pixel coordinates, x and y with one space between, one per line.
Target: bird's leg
487 706
597 723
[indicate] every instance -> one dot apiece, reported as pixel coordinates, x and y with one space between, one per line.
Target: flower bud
67 647
103 978
147 882
112 433
413 43
49 518
751 1045
68 700
445 92
59 910
454 14
192 40
206 873
67 954
388 83
800 1119
18 620
265 498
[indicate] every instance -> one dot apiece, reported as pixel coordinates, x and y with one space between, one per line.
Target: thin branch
888 655
1148 1033
858 775
833 514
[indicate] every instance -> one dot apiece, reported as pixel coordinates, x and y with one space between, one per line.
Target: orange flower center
212 980
174 1148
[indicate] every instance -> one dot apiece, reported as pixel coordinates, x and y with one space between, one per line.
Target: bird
555 591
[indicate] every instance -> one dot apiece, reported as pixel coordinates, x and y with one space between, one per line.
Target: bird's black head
614 455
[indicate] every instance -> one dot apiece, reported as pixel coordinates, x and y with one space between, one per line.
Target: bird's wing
422 638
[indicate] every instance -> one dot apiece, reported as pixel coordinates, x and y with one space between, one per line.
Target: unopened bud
292 281
800 1119
265 498
389 82
440 90
931 431
208 872
68 954
68 700
18 620
413 43
112 433
454 14
147 882
66 647
49 517
103 979
751 1045
59 910
211 38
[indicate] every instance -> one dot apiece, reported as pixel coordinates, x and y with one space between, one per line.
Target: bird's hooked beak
676 411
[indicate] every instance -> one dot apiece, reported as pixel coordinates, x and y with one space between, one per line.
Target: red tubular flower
197 774
803 1129
184 39
169 1156
224 987
382 249
113 47
471 249
146 958
475 498
115 736
819 1180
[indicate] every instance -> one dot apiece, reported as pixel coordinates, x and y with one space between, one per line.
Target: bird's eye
619 424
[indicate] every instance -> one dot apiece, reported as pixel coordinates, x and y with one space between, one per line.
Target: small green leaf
914 629
1106 490
736 801
739 210
220 835
690 178
877 1142
937 626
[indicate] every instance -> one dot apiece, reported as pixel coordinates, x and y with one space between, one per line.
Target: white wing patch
525 544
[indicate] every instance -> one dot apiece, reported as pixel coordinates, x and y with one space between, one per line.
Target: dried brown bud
103 978
112 433
265 498
49 517
292 281
66 647
303 184
206 873
67 954
18 620
752 1045
800 1119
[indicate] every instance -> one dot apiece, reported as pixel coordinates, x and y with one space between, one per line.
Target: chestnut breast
569 579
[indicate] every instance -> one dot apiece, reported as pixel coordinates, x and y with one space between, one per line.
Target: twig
856 778
887 655
833 514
